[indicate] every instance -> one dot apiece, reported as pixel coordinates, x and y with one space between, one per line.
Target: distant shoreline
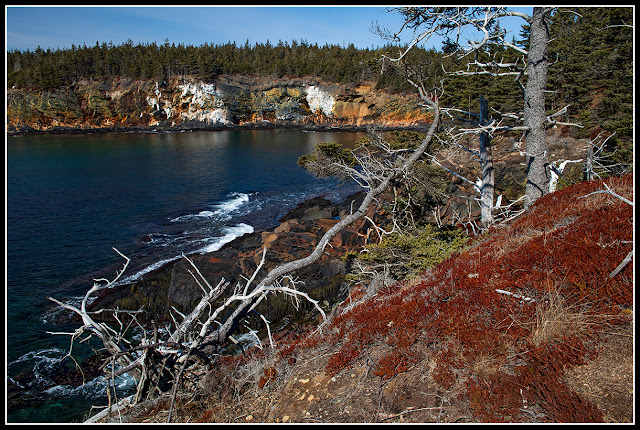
248 126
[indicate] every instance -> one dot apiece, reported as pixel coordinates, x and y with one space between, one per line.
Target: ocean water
72 198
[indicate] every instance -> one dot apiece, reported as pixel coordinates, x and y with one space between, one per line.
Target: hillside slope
525 325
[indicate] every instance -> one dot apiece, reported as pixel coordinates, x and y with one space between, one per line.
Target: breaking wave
231 205
230 233
138 275
220 210
43 361
213 244
93 389
46 356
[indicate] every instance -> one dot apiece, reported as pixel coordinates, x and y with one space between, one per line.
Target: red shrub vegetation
446 368
393 363
494 398
542 377
566 244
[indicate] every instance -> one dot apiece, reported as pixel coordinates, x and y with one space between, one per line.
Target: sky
59 27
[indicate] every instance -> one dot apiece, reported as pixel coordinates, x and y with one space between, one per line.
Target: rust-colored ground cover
451 346
509 353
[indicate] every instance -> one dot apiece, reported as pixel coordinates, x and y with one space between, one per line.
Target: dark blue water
71 198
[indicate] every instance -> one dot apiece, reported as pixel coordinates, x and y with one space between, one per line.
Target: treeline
591 68
49 69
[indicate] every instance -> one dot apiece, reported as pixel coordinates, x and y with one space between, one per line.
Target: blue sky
60 27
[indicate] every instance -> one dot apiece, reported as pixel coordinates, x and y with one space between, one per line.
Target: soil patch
607 381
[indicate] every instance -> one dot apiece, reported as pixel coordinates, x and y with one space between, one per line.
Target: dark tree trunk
588 165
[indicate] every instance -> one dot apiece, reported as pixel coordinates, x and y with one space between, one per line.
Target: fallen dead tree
158 357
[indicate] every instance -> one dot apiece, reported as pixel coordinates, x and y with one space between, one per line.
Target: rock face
230 101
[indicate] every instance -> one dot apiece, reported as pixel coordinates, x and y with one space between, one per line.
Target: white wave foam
44 360
41 362
92 389
215 243
42 355
146 270
230 233
55 311
220 209
232 204
201 214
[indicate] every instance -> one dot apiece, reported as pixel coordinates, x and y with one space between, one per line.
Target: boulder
309 209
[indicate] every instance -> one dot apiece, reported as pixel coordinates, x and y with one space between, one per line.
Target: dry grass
555 319
485 366
601 198
513 240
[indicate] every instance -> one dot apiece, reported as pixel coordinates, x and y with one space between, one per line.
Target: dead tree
598 162
459 137
159 358
150 359
486 162
485 185
450 22
374 175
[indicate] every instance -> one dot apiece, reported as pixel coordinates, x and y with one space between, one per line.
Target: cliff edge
179 103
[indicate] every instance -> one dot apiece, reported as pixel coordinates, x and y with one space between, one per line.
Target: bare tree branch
377 180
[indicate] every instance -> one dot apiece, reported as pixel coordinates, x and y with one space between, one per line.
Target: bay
72 198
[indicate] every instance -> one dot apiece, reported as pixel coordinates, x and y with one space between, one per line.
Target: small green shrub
411 252
570 176
322 161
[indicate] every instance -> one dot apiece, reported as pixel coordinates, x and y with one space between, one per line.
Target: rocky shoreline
230 102
264 125
300 383
291 237
295 236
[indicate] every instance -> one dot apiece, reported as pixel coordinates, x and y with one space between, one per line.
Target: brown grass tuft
555 319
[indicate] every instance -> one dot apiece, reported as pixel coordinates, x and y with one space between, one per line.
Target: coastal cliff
180 103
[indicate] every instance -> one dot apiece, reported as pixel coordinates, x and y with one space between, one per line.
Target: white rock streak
320 100
154 102
202 94
557 171
205 103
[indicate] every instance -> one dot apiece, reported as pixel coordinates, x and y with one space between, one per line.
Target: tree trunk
588 165
538 174
486 161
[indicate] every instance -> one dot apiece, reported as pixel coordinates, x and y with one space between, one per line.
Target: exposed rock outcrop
187 103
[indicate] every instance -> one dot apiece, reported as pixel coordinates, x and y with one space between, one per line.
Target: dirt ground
608 380
355 395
